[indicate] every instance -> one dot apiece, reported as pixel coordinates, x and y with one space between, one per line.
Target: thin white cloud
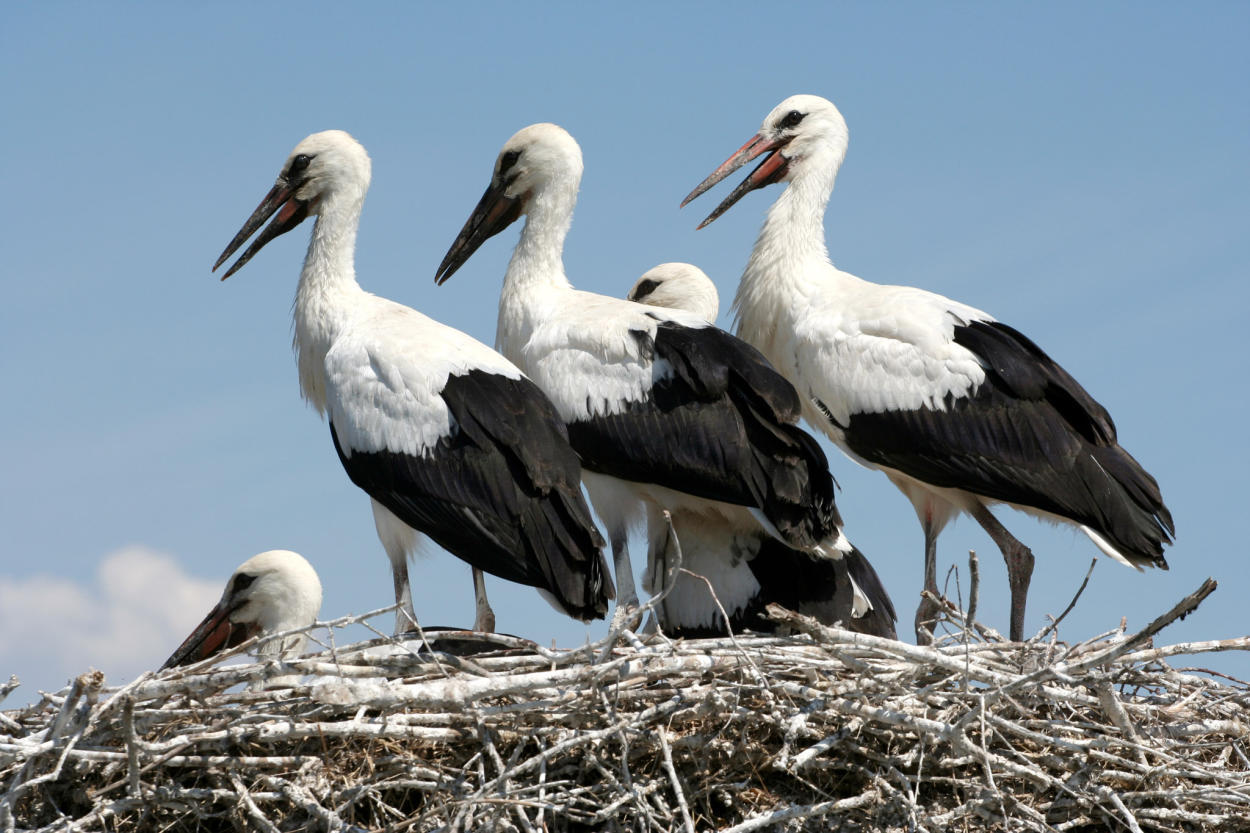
128 620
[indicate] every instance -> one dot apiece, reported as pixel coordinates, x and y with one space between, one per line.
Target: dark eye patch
508 160
645 288
241 582
791 119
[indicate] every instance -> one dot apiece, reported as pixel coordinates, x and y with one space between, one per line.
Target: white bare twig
661 735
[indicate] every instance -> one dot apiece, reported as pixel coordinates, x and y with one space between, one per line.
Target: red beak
767 172
292 213
214 635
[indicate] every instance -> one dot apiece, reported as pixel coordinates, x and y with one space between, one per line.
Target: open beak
767 172
291 212
214 635
495 212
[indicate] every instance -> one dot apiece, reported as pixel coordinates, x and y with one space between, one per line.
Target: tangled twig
823 730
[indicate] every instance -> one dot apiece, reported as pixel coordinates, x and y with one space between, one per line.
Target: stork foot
485 621
628 616
405 620
1019 566
485 618
1019 574
926 620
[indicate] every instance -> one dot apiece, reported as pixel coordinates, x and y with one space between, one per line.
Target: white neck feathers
537 266
326 283
789 252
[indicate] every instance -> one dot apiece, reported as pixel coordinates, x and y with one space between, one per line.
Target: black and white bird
447 437
271 593
959 410
661 406
745 569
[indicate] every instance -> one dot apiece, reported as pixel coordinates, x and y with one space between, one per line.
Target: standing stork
446 436
661 406
746 569
270 593
959 410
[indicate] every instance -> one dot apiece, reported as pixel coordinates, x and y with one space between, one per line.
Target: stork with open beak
959 410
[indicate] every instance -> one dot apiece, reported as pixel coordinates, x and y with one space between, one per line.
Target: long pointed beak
291 212
214 635
495 211
767 172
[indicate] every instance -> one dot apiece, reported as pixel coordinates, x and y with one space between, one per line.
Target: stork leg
669 563
1019 566
656 577
927 612
626 592
405 616
485 621
398 539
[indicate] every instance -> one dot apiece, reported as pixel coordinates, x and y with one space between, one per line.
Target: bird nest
822 729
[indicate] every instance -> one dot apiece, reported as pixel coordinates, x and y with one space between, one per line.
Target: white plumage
586 359
385 375
270 593
959 410
446 436
682 286
655 400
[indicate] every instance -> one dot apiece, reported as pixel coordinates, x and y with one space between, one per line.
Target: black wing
1029 435
817 587
821 587
722 426
502 492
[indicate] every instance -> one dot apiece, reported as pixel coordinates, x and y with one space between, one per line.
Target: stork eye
791 119
645 288
242 581
508 160
299 164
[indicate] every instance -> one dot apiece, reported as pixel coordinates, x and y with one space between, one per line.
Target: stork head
272 592
802 133
540 166
682 286
322 167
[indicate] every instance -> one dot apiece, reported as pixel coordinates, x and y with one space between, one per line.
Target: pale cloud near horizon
126 620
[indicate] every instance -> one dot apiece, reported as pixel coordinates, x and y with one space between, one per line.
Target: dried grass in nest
821 730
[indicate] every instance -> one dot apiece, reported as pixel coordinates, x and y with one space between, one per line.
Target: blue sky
1078 170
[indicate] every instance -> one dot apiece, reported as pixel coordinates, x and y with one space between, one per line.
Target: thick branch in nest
824 730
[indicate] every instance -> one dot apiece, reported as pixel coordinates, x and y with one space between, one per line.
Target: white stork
959 410
746 568
270 593
446 436
661 406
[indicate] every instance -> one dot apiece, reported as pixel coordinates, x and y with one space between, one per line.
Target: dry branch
823 730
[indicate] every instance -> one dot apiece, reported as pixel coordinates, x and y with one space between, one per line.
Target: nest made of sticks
824 729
